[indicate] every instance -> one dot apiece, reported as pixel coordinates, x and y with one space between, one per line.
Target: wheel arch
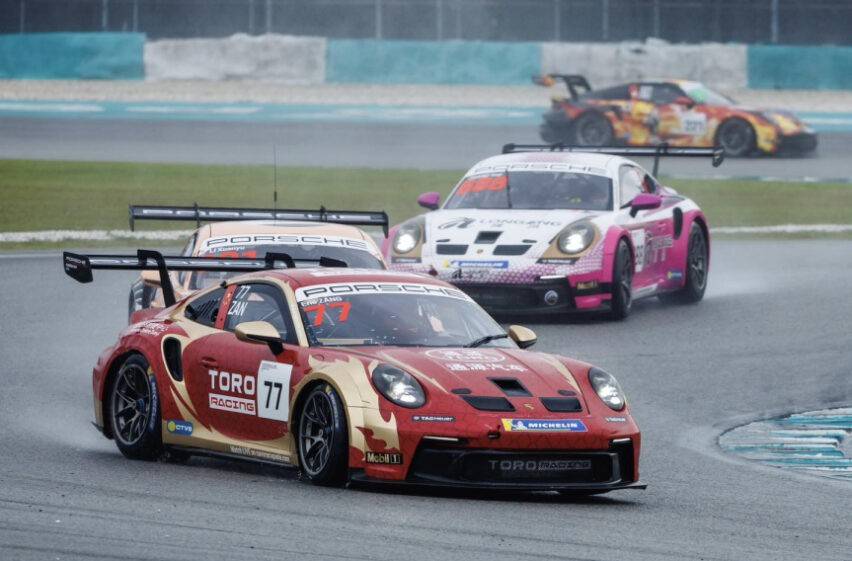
611 241
109 379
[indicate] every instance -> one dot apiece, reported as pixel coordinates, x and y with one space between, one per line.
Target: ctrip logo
456 223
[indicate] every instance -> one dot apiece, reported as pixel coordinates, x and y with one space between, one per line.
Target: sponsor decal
457 223
543 425
258 454
557 260
465 355
176 426
392 458
354 288
433 419
232 404
229 242
674 275
155 403
615 419
539 465
494 264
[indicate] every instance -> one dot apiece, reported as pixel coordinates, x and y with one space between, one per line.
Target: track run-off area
770 338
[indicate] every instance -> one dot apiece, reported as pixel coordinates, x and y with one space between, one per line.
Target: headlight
607 388
576 238
398 386
407 237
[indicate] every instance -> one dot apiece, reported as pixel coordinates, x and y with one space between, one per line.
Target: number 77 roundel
273 395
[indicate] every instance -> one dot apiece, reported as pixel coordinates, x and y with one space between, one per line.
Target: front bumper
800 143
528 470
556 296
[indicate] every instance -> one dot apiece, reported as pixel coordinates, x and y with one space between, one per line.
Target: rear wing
717 154
79 267
199 214
574 82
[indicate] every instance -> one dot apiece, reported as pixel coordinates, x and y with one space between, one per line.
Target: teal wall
804 68
90 56
430 62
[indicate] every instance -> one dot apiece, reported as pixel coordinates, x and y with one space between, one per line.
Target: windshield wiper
487 339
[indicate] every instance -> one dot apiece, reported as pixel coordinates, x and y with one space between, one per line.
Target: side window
205 308
650 185
260 302
665 93
629 184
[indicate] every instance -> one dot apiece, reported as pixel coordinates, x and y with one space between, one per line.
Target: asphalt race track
771 337
420 146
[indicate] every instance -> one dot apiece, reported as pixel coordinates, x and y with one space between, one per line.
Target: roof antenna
275 177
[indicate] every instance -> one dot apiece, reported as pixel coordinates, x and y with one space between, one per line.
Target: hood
493 238
441 370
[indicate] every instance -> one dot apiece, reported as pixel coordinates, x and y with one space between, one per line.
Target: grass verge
48 195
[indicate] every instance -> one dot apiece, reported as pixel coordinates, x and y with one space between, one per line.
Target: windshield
702 94
534 190
414 315
354 258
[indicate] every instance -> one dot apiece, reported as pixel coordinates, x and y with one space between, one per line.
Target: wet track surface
437 146
771 337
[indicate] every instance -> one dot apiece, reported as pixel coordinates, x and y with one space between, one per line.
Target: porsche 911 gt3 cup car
544 229
678 112
252 232
364 375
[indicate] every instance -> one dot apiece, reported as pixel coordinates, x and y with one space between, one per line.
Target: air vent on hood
511 387
561 404
487 237
484 403
504 249
450 249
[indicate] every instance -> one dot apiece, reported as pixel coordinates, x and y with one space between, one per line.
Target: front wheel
697 266
593 129
323 441
134 410
736 137
622 283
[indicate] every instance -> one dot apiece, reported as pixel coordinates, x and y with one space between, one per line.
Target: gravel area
358 94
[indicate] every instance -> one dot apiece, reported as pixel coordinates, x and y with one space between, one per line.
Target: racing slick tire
736 137
696 270
323 439
622 283
593 129
134 410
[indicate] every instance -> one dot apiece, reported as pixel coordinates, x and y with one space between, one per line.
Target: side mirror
151 278
259 332
645 201
523 336
430 200
687 102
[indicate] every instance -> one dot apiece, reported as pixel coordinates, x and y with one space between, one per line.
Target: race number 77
320 310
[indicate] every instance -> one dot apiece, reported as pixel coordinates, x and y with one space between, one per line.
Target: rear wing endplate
717 154
199 214
79 267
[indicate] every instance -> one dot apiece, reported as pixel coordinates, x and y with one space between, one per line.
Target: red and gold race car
676 112
355 375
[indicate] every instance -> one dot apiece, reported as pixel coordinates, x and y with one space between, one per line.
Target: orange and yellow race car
355 375
252 233
676 112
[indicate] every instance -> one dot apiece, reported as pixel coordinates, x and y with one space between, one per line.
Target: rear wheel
737 137
592 129
323 441
622 282
697 267
134 410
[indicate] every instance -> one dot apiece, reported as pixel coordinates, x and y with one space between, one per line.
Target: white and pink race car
557 229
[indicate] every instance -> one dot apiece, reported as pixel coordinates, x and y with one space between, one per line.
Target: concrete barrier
84 56
430 62
290 60
799 68
603 64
